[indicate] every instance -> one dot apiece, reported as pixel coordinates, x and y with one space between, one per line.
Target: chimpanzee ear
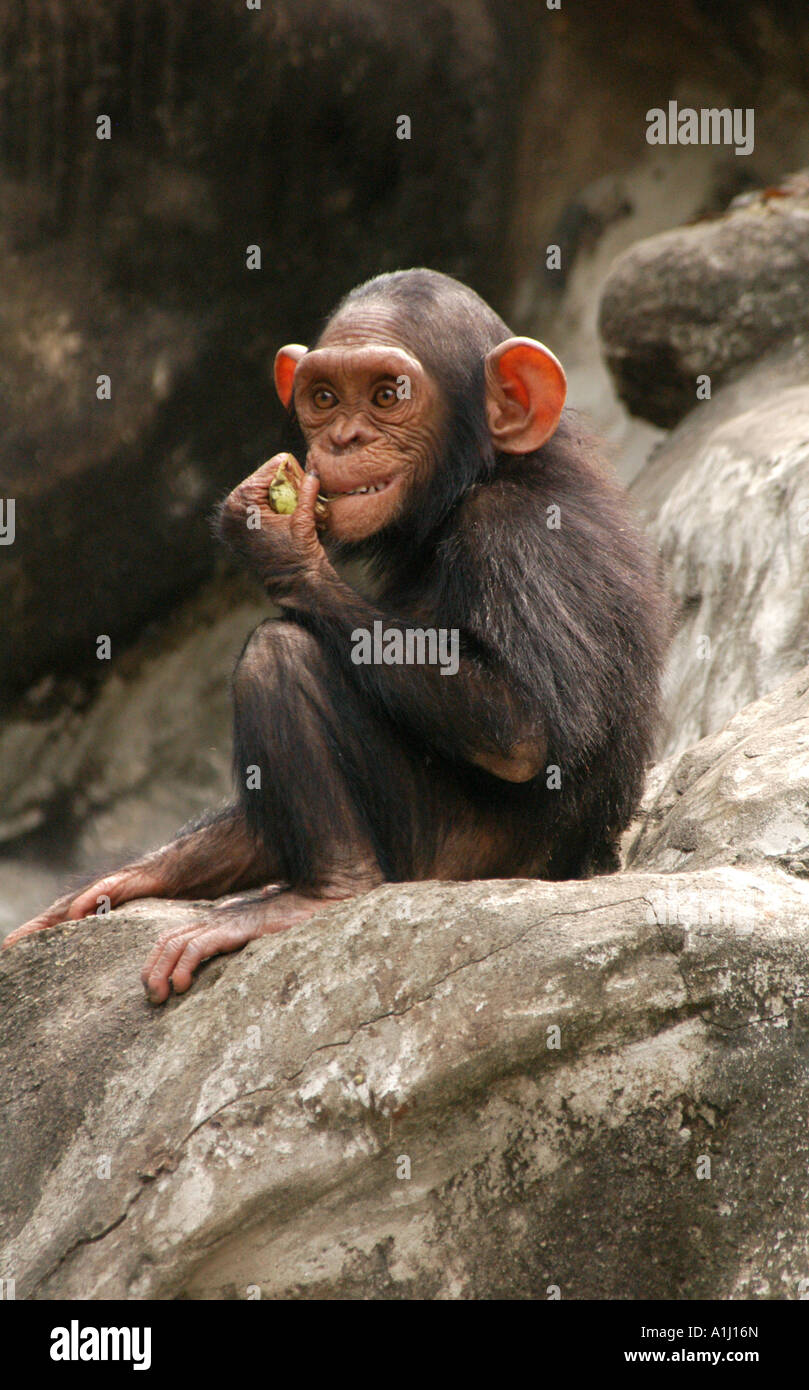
286 360
525 392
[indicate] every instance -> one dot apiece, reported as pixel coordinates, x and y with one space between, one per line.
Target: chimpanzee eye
323 398
384 395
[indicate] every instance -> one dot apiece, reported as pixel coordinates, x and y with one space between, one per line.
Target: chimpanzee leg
295 743
341 799
296 736
340 795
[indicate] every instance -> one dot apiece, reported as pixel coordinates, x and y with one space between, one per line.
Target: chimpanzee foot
227 927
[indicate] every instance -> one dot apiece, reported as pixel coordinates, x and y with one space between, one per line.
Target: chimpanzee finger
159 963
52 917
177 954
90 899
267 471
69 908
292 464
213 941
302 524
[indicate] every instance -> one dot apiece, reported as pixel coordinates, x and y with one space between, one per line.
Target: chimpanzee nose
349 431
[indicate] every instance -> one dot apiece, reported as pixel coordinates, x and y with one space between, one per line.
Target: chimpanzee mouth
366 490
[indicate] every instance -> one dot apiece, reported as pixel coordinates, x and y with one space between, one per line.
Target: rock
739 797
726 497
112 496
26 886
93 776
127 257
372 1105
708 299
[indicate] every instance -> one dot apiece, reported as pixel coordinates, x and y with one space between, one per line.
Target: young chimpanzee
441 447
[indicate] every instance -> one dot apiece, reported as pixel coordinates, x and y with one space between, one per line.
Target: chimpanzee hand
134 881
285 551
227 926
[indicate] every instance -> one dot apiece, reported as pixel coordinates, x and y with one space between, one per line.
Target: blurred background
276 127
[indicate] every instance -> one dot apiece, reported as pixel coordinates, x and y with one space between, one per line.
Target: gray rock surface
707 299
371 1106
738 797
92 776
726 497
150 743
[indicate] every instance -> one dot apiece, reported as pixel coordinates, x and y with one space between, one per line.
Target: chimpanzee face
372 418
376 421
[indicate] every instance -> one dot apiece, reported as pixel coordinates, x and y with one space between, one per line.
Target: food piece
283 493
285 486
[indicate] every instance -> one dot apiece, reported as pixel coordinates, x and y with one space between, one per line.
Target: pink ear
525 392
286 360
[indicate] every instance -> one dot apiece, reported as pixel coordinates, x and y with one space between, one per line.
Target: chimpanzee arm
475 714
471 715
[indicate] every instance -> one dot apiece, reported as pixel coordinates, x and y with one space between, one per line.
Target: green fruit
283 492
283 497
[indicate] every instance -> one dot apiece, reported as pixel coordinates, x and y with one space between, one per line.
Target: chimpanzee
439 444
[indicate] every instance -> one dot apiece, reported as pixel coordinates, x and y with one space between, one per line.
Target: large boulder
707 300
378 1104
443 1090
726 497
94 773
738 797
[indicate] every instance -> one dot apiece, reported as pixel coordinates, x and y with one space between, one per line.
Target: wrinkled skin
286 550
361 430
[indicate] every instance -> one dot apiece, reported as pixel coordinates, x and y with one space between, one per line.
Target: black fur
564 630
